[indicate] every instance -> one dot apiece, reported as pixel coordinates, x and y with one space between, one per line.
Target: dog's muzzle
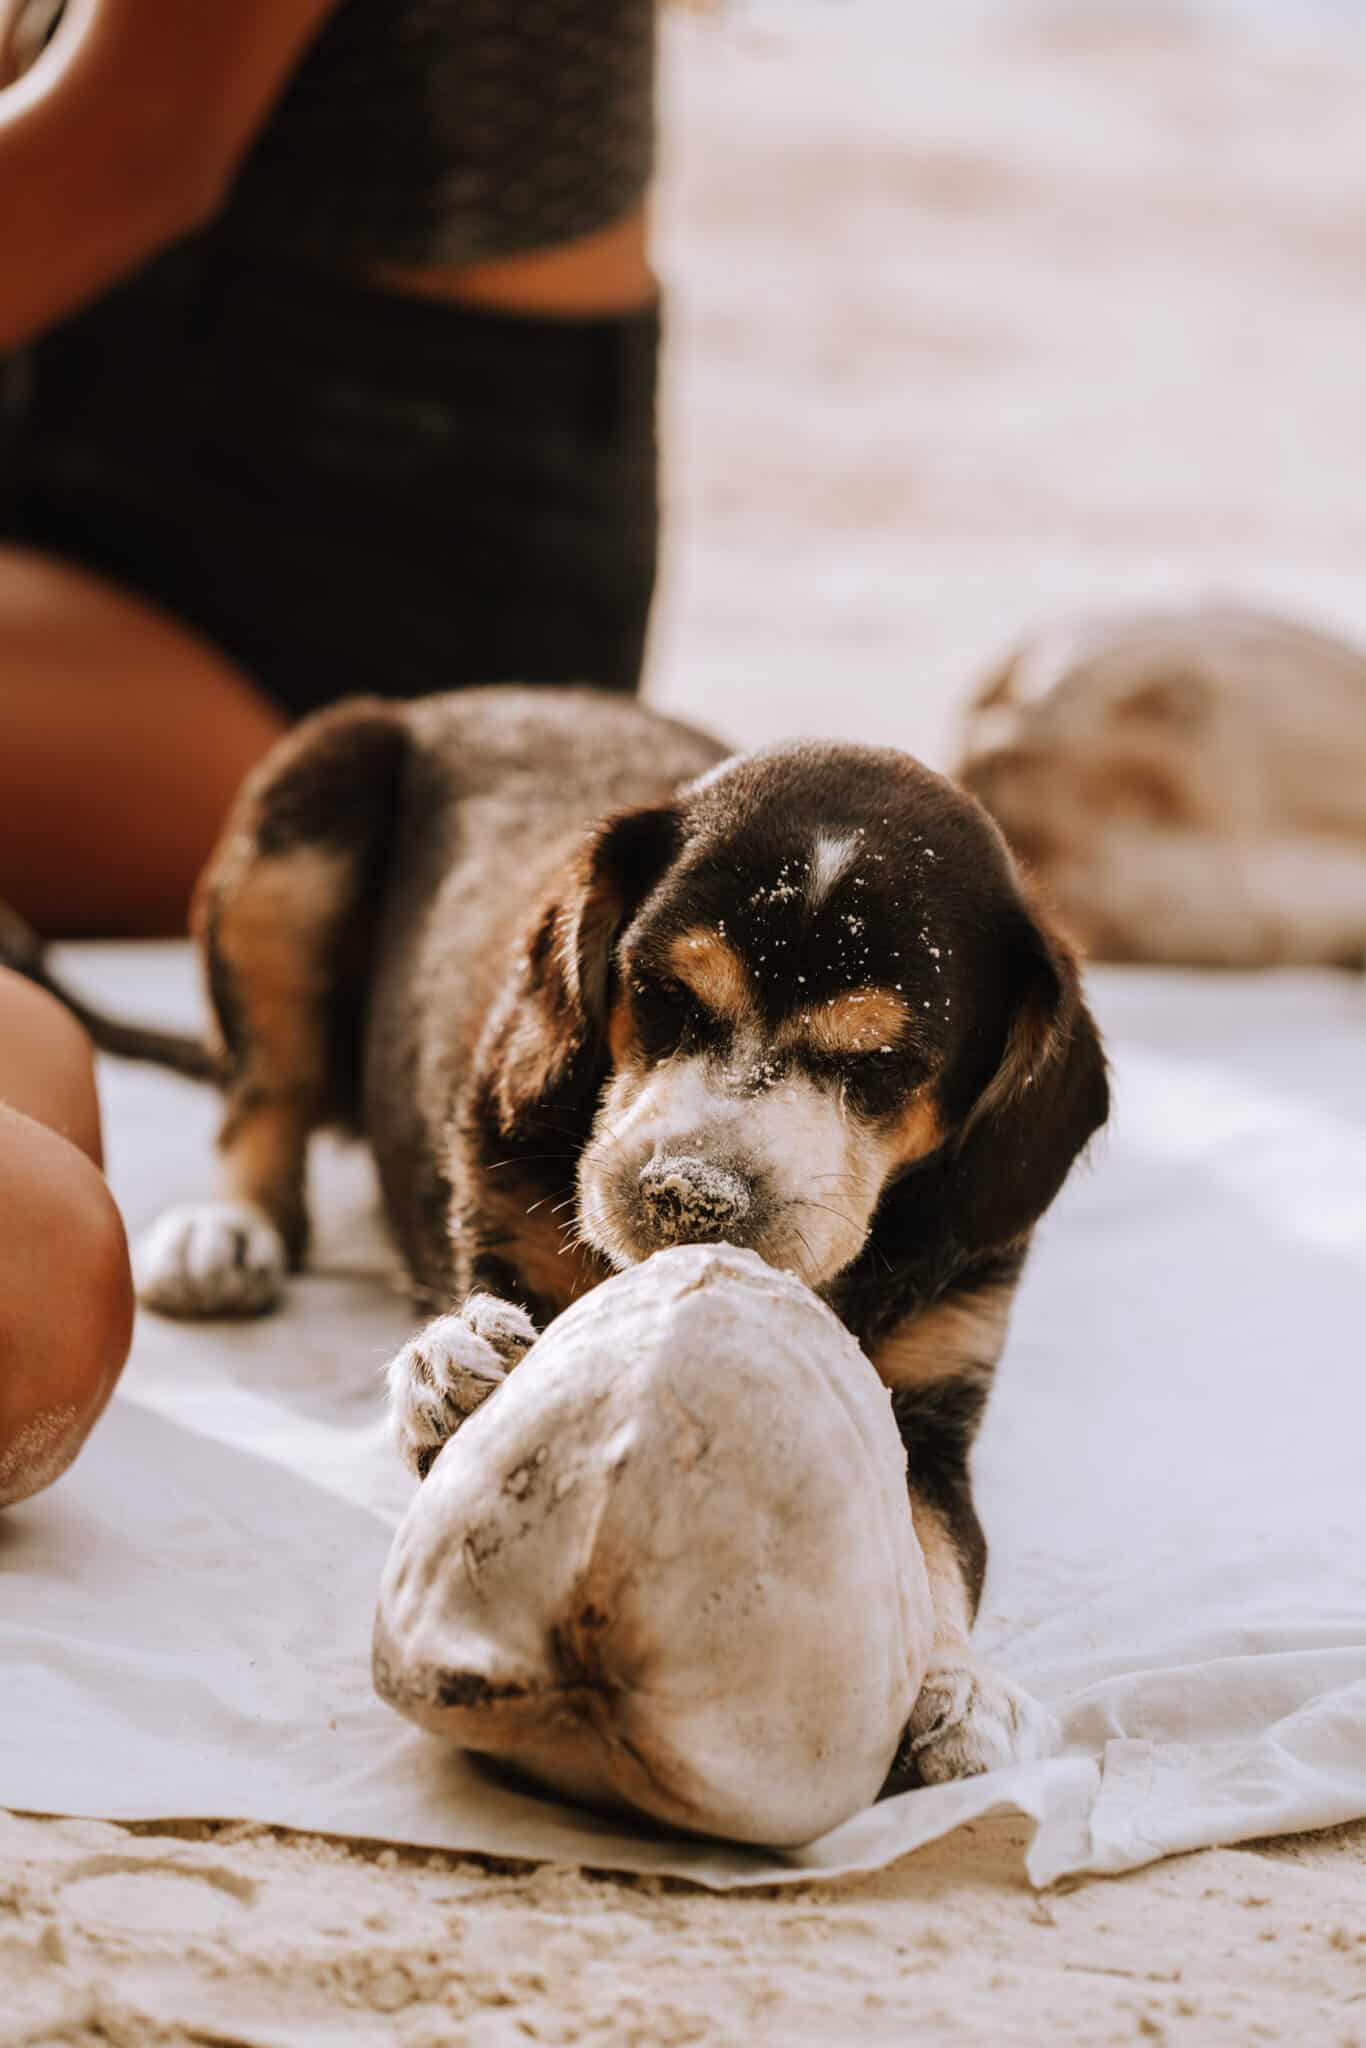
686 1200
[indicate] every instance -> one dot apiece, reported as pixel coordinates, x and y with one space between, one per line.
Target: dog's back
494 793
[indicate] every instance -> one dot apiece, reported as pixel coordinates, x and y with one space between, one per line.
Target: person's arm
125 134
25 26
66 1293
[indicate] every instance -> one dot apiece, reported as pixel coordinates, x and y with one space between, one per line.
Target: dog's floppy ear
546 1038
1048 1094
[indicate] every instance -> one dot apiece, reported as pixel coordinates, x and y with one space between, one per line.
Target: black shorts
344 489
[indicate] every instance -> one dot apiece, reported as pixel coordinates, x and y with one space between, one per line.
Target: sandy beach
966 324
251 1938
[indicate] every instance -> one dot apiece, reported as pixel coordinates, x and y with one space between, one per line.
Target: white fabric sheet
1170 1475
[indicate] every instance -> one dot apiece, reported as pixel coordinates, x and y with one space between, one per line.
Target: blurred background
978 314
977 318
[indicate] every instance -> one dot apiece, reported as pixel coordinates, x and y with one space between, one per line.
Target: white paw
210 1259
508 1328
448 1370
967 1720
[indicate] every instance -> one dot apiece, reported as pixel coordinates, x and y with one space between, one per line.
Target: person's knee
66 1322
47 1066
105 1317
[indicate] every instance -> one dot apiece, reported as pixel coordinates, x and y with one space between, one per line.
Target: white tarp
1170 1476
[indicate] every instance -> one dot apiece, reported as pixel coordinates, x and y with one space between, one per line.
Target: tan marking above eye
710 966
858 1020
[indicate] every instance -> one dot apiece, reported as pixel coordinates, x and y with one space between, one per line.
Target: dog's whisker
529 1159
807 1202
810 1255
603 1129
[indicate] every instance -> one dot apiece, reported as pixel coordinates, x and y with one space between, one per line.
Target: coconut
670 1565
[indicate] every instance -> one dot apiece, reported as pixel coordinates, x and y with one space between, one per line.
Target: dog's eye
876 1082
667 1013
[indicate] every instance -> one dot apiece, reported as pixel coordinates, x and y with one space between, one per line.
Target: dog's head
807 977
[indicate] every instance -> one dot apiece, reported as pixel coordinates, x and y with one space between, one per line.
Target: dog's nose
692 1201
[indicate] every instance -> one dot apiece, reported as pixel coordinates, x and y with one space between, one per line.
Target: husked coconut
670 1564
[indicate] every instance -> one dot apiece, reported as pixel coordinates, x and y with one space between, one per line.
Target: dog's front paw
448 1370
966 1720
508 1328
210 1259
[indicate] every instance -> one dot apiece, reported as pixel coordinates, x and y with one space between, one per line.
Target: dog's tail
22 950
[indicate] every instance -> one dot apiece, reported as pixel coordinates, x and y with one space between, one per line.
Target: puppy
589 989
1190 784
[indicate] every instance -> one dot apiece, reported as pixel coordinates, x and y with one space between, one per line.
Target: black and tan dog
588 990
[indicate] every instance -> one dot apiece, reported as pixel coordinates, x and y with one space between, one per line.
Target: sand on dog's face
671 1563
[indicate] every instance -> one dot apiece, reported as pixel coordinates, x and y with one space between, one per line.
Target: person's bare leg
66 1292
123 739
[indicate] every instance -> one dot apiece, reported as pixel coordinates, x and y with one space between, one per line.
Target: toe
504 1325
210 1259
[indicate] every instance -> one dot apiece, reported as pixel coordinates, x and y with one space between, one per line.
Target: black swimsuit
347 489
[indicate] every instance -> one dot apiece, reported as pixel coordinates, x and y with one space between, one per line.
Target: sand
966 325
246 1937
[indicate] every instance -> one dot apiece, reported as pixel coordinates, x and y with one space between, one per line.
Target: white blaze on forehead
831 856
